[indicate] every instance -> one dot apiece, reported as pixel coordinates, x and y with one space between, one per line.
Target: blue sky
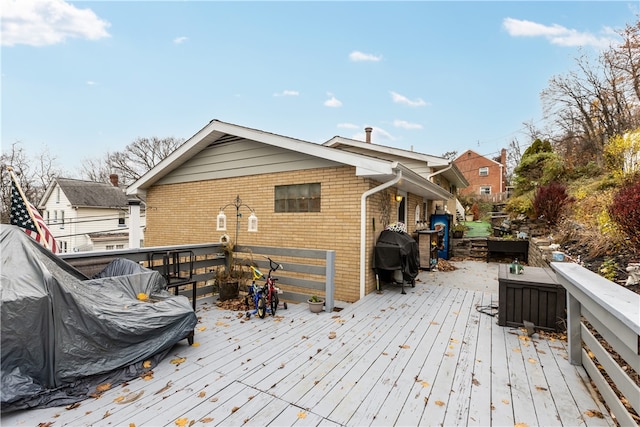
86 78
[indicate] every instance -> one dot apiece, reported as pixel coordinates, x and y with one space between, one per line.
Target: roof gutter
363 222
431 175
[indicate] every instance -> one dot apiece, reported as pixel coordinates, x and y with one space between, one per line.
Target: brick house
305 195
487 177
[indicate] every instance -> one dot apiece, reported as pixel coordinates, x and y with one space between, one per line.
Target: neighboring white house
87 215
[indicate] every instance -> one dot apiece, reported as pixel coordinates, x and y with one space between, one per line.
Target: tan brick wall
186 213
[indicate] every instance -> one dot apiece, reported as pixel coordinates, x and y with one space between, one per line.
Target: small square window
485 190
484 171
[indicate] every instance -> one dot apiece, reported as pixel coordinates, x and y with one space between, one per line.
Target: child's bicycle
265 298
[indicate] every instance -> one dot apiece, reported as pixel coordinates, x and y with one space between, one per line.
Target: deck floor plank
480 399
393 358
423 390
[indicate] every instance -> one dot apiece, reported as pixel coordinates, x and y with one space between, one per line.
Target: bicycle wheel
274 303
262 307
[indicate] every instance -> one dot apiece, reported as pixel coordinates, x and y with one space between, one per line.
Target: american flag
20 217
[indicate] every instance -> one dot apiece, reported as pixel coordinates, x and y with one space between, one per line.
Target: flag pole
28 206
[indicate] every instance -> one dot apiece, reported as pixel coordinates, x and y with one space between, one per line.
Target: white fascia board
216 128
418 181
430 159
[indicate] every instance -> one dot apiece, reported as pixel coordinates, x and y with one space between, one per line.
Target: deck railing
599 310
306 271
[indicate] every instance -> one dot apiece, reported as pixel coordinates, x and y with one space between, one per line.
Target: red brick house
487 177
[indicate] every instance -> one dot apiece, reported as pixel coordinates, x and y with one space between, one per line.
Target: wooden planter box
517 248
535 296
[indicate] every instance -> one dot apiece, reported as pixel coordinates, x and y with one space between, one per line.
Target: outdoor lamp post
221 220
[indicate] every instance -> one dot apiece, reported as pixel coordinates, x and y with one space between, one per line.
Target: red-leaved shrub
549 202
625 211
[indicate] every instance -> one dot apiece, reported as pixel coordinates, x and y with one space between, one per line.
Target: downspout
363 225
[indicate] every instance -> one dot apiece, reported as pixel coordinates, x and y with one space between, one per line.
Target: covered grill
396 251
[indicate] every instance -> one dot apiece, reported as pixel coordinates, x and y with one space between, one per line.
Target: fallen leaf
106 414
48 424
340 320
118 399
132 424
214 399
206 420
541 388
147 376
202 394
234 409
531 360
202 328
517 350
181 422
434 323
178 361
195 344
103 387
332 335
404 346
424 384
453 340
72 406
142 296
439 402
593 413
475 382
165 388
505 401
131 397
524 338
449 354
302 415
521 425
542 352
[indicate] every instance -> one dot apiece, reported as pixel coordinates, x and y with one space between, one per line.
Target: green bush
520 205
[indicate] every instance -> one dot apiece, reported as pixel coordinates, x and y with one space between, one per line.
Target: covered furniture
64 334
396 252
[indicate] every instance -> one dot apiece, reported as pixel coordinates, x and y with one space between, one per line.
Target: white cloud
401 99
287 93
48 22
91 83
559 35
180 40
357 56
332 102
406 125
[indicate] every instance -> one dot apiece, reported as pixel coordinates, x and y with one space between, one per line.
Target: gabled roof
459 158
436 163
216 131
88 194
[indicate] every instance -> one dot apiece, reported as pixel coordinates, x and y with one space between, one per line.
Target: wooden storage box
535 296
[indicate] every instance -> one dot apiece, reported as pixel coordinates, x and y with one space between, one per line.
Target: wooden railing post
330 277
573 330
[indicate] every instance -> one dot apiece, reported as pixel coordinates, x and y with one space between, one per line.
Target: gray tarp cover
63 334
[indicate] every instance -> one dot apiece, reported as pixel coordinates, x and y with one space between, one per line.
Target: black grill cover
397 251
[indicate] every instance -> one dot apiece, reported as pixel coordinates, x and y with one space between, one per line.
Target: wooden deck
425 358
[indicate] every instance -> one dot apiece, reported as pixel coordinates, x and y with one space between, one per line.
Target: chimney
114 179
503 156
367 131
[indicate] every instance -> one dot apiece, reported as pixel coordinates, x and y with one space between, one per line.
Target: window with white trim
483 171
485 190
